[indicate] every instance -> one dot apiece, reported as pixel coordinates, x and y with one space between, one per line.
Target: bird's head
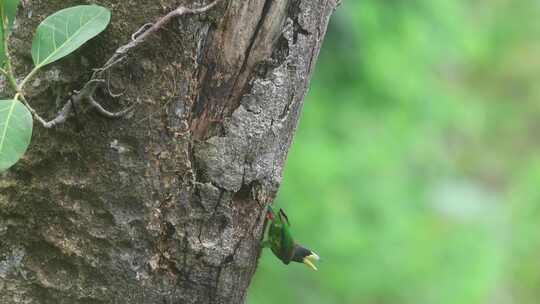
305 256
269 213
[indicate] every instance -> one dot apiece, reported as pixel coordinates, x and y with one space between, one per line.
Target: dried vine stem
89 88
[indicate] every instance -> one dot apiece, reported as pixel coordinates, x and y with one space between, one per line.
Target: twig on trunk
89 88
106 113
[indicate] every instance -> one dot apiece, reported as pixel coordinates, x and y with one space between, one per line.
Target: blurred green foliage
415 171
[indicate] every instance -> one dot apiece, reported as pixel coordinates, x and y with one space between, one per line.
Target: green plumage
279 237
282 243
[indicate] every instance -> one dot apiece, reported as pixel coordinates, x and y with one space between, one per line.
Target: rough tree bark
166 205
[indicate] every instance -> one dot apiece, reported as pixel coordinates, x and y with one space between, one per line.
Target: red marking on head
269 215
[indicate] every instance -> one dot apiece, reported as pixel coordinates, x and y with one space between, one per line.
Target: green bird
282 243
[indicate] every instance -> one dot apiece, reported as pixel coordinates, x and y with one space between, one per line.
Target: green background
415 171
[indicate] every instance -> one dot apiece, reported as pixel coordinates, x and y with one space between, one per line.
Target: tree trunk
166 205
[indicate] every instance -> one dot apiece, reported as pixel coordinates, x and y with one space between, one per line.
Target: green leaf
8 10
15 132
10 7
65 31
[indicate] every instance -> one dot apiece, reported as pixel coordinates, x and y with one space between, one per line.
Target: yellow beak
310 259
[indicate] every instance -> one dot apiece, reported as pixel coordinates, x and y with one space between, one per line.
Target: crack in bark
295 11
210 110
165 260
247 56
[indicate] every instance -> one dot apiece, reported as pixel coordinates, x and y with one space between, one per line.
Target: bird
282 244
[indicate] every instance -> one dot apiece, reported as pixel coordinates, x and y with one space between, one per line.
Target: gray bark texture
167 204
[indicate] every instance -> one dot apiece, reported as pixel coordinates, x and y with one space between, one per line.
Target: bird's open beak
310 259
